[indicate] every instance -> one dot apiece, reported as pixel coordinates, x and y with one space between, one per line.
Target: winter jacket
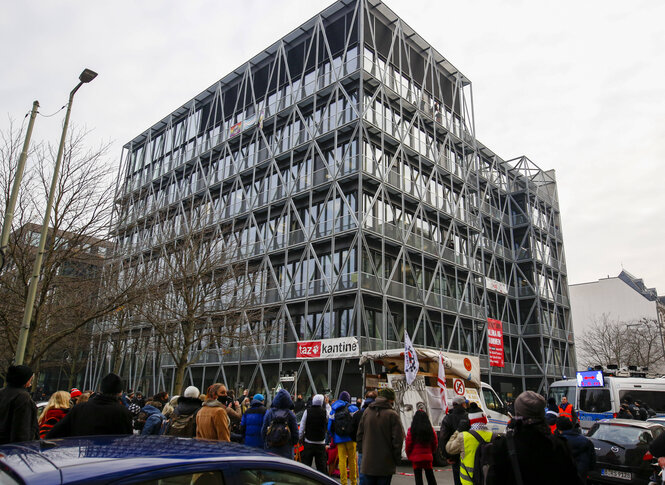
543 458
313 425
358 416
657 446
420 451
449 425
284 403
582 449
212 422
331 420
18 416
252 423
186 407
102 414
153 423
51 418
380 437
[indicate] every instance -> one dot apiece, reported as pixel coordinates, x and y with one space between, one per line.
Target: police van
597 394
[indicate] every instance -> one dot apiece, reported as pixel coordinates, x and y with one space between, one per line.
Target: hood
57 413
194 401
282 400
380 403
213 403
150 410
256 403
367 402
338 404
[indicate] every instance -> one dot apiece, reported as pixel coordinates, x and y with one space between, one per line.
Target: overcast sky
578 87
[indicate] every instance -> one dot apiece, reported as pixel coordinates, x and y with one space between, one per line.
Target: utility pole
11 204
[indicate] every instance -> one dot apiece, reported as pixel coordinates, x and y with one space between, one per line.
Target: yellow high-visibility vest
470 446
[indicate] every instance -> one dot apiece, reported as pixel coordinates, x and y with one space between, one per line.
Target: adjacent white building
623 297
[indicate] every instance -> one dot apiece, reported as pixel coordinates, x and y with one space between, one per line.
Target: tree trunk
179 377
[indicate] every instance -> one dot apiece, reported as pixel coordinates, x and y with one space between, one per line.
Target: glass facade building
343 165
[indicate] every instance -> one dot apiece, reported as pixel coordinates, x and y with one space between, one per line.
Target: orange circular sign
467 364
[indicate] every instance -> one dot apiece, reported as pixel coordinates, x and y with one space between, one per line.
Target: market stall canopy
457 365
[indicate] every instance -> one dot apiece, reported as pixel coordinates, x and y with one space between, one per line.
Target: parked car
622 454
149 460
40 407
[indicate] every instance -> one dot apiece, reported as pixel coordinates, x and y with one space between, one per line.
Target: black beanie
18 375
111 384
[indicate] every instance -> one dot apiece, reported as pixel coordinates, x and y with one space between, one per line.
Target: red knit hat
75 393
476 415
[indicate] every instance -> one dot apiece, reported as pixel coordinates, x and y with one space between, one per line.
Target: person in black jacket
580 446
18 412
184 414
450 424
541 457
657 449
313 427
102 414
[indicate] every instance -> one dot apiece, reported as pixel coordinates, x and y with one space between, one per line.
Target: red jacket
51 419
420 451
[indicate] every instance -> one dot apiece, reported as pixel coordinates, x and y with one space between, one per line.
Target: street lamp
85 77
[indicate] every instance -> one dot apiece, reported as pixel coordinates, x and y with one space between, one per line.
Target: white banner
331 348
441 381
497 286
410 359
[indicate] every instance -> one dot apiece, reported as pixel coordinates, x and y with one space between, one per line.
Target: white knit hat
191 391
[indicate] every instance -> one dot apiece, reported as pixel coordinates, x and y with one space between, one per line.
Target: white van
602 402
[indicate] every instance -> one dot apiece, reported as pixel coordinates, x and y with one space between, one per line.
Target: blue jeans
378 480
361 475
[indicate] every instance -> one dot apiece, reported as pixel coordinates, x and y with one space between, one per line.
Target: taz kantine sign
329 348
495 342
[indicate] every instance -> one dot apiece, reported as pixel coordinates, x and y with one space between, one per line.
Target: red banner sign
495 342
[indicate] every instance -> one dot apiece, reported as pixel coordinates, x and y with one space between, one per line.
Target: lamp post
9 213
85 77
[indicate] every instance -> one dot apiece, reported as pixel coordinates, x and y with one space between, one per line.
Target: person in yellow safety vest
567 410
467 442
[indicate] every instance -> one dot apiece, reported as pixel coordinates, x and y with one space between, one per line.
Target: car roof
630 422
77 458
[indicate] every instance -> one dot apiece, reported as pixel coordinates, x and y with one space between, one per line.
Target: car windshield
558 392
620 435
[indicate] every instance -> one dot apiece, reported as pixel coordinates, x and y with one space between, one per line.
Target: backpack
483 459
278 433
139 422
343 422
183 425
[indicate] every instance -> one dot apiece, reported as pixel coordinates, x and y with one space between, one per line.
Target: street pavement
404 476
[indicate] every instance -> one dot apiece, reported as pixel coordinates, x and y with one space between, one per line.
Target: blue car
149 460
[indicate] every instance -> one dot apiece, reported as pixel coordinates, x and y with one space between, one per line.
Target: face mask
224 399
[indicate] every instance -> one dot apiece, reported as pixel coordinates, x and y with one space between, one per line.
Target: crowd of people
363 440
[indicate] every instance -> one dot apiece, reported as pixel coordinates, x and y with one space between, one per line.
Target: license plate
615 474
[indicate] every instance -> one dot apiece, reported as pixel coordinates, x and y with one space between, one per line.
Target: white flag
410 359
442 384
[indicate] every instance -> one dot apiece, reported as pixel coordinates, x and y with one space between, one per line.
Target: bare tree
71 292
196 294
609 341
